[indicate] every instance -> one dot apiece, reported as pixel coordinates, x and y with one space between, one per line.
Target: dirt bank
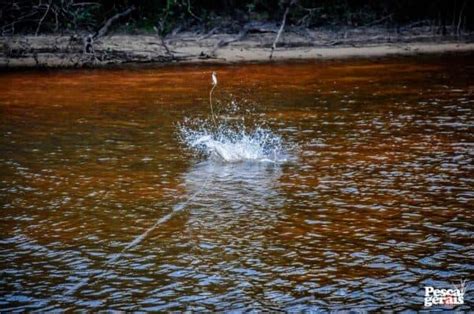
252 46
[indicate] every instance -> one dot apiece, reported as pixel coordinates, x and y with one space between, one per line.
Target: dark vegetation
446 17
183 30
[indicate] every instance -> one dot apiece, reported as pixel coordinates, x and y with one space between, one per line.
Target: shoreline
51 51
334 53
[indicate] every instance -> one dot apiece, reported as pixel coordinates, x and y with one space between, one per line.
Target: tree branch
460 17
105 28
48 6
282 26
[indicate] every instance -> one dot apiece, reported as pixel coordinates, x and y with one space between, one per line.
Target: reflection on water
376 204
228 191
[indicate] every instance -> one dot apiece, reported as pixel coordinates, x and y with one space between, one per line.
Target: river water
374 203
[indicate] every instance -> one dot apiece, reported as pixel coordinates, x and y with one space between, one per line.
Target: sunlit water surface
370 201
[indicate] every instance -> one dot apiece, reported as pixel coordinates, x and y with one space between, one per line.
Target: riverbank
251 45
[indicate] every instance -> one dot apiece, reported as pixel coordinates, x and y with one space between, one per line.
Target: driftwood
223 43
248 28
282 26
210 33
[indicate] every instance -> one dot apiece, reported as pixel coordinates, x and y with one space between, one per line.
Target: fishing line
177 208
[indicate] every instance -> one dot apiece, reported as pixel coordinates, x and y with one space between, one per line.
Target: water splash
233 141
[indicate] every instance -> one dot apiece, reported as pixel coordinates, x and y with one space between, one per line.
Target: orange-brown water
376 205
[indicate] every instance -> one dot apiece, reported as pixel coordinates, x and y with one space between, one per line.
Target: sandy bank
65 51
